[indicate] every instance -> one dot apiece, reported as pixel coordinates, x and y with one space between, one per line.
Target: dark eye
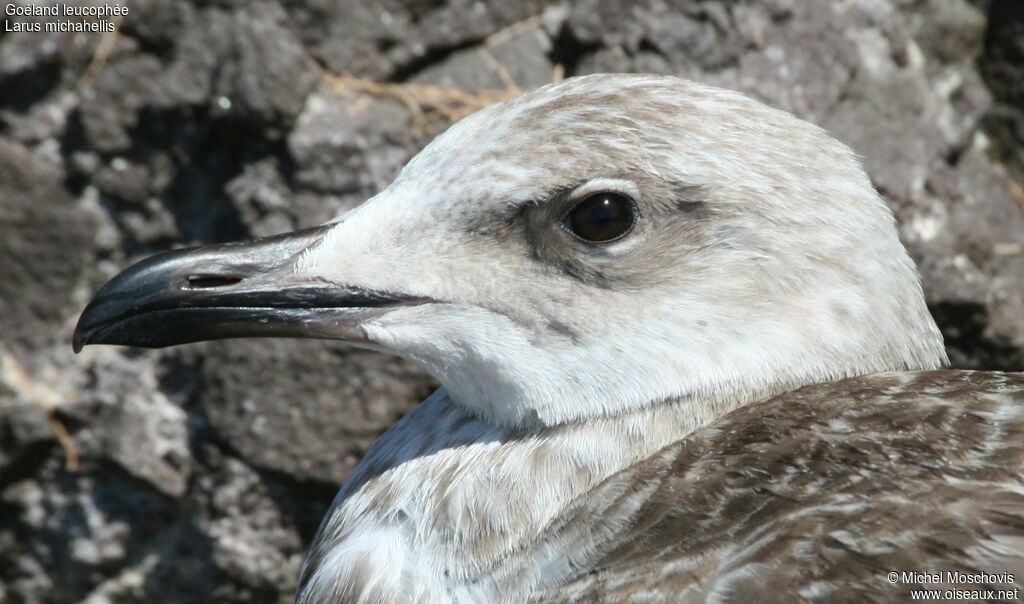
602 217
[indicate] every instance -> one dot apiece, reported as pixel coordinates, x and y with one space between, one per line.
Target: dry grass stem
100 56
431 105
14 376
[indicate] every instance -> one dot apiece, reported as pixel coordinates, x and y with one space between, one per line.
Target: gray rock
306 410
136 426
25 435
268 73
45 119
524 59
111 106
392 38
336 142
40 224
252 542
1003 67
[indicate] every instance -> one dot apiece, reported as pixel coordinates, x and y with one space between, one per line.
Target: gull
683 354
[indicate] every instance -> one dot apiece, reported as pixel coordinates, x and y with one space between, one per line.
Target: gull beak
234 290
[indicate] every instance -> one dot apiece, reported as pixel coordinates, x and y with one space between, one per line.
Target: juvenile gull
683 352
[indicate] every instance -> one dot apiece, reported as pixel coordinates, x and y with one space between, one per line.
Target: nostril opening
208 281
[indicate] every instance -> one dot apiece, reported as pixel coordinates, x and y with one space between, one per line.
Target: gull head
597 246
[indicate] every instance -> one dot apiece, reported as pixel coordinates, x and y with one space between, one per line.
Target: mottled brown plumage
817 494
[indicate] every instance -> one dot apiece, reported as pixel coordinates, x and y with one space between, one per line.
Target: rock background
199 474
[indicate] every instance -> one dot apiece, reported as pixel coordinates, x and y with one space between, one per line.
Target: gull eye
601 217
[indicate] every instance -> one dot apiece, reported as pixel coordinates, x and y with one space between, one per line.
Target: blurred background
199 474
